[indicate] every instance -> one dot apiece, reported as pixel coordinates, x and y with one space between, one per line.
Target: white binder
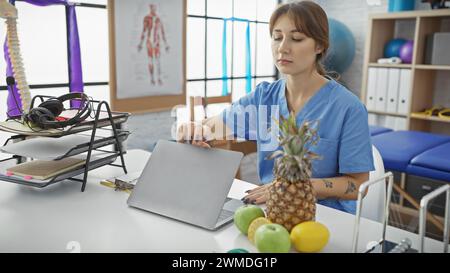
392 93
371 89
400 124
372 119
381 120
381 89
404 93
390 122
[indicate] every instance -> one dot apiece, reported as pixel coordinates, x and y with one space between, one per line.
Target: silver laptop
189 184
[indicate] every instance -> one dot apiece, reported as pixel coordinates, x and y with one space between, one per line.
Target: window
43 35
205 26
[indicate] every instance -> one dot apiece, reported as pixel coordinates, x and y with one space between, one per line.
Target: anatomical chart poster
149 47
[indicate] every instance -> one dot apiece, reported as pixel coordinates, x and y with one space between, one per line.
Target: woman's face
293 52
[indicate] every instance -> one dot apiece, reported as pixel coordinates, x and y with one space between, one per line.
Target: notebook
42 170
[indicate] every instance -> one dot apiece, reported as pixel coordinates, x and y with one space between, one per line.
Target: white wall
354 14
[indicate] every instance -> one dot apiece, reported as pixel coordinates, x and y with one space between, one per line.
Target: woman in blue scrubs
300 41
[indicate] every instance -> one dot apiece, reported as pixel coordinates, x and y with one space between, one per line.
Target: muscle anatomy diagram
152 34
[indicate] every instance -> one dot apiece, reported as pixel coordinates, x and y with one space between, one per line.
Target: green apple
272 238
244 216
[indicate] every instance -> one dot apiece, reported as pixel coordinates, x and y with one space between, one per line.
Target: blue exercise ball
342 47
392 48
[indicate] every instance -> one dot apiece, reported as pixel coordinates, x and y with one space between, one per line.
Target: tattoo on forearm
328 183
350 187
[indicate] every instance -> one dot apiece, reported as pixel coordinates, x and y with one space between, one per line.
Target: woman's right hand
257 196
194 133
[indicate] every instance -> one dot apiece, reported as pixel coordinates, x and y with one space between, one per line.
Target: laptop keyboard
224 214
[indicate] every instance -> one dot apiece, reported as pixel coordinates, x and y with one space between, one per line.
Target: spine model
17 64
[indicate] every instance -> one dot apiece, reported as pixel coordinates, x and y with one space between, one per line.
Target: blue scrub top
344 145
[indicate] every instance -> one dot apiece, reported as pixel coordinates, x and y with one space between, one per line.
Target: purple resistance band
75 69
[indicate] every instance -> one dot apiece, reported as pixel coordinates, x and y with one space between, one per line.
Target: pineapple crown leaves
293 162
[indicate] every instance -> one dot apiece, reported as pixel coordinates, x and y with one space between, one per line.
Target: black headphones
44 116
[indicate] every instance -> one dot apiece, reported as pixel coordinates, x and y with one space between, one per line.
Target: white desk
47 220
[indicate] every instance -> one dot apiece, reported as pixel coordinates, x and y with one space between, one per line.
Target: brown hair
310 19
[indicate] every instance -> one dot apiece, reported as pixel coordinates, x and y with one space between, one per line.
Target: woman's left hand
258 195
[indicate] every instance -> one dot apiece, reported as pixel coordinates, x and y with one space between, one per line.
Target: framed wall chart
147 44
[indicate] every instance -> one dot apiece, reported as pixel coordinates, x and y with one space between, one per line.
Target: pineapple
292 198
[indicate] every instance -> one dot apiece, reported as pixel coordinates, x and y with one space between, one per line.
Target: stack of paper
42 170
